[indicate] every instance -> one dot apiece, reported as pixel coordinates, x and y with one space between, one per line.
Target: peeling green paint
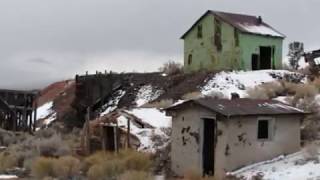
236 52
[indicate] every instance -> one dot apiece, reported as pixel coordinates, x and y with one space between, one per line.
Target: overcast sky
42 41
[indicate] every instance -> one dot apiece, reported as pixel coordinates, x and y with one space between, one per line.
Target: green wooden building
227 41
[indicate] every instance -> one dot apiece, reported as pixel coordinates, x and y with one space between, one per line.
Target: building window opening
263 129
190 59
236 38
199 34
217 35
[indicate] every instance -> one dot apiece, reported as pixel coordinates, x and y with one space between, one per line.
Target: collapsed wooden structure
18 110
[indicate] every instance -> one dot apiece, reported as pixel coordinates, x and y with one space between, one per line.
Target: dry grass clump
171 68
266 91
109 169
103 165
43 167
63 168
7 161
164 103
66 167
215 94
311 152
52 147
192 95
136 175
305 90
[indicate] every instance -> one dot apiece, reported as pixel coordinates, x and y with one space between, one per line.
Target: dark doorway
208 146
109 138
255 62
265 57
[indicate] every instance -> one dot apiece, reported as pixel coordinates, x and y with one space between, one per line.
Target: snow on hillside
44 110
146 94
291 167
113 103
147 136
46 115
152 116
239 81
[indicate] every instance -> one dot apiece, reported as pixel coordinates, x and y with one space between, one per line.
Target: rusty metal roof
244 106
244 23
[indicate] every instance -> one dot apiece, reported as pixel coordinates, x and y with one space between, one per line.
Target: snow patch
238 81
261 29
113 103
282 167
144 135
146 94
152 116
45 110
6 176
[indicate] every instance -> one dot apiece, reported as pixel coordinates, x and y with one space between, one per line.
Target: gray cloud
43 40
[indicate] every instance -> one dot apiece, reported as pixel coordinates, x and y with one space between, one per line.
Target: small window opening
190 59
199 34
217 35
236 38
263 129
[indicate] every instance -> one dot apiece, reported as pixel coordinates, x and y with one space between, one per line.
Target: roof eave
264 35
194 24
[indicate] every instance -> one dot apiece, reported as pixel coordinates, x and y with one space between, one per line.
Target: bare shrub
107 170
216 95
43 167
171 68
305 90
7 161
192 95
52 147
66 167
45 133
135 160
135 175
163 103
311 152
266 91
110 165
96 158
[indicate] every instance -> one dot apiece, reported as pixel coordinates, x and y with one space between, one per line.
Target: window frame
199 31
271 128
218 34
190 57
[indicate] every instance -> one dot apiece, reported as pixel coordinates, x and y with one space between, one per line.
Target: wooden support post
103 138
116 144
128 133
35 112
25 120
85 140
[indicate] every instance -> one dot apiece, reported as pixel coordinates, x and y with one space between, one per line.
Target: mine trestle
18 110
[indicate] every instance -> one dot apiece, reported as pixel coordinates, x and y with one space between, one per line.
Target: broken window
190 59
264 129
199 34
236 37
217 34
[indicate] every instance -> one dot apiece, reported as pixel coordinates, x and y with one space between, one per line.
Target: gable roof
244 23
243 106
